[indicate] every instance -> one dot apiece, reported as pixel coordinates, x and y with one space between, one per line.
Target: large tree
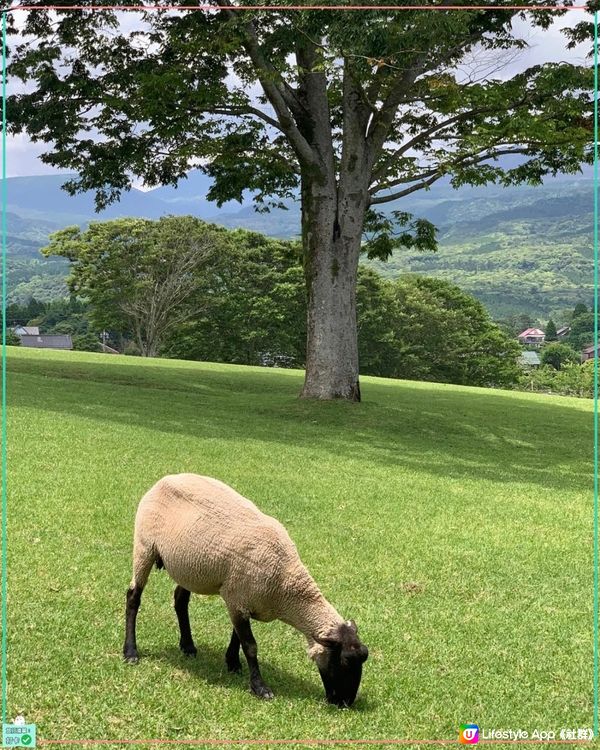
352 110
139 275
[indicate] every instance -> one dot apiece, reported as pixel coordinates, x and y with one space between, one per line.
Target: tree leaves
157 99
385 234
139 275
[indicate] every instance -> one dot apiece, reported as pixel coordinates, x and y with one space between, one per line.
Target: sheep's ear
330 643
352 625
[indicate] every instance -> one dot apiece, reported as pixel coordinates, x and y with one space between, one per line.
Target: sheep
212 540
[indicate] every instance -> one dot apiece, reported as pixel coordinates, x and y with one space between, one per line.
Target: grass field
453 524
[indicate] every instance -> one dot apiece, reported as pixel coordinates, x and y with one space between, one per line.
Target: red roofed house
532 337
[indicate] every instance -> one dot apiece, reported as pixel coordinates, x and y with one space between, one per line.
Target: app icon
468 734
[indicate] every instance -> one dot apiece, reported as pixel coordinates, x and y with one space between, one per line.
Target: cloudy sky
544 46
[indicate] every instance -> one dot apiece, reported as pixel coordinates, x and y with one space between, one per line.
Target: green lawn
453 524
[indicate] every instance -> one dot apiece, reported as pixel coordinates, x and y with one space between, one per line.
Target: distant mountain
190 197
43 198
517 249
521 249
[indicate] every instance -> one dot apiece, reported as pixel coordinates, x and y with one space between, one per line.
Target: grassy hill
521 249
453 524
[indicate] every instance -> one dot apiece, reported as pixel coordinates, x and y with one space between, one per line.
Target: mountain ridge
521 248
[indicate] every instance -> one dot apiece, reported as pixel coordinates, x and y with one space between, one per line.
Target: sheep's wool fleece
212 540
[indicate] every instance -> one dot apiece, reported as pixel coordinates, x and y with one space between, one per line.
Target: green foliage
12 339
191 109
22 314
163 98
380 352
582 331
580 309
517 250
45 282
28 275
557 355
247 305
551 331
571 380
86 342
446 335
400 229
426 329
67 316
515 324
70 315
139 275
251 305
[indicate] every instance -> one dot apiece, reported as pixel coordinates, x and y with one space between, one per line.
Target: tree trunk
331 232
333 213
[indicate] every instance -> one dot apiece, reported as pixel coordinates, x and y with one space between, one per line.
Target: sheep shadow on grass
209 666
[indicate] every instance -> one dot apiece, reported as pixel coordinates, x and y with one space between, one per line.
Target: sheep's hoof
234 668
189 650
131 658
262 691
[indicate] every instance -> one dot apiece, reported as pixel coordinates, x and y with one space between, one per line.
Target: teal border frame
4 462
3 426
596 374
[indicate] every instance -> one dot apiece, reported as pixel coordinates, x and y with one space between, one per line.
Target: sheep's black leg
186 642
232 655
134 597
244 632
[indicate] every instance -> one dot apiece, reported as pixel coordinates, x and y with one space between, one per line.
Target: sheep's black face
340 665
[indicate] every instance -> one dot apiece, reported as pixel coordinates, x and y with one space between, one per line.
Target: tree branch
242 110
277 94
408 191
437 174
380 171
382 121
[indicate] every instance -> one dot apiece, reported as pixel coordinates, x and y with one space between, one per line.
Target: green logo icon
18 734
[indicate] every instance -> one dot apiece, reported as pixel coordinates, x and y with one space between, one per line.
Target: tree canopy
550 333
245 303
138 274
582 330
182 87
557 355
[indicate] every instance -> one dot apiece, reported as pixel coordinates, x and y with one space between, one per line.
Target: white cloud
550 45
22 157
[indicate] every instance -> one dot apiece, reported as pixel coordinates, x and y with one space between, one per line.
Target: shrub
12 339
558 355
86 342
571 380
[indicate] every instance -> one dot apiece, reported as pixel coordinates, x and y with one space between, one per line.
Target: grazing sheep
211 540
